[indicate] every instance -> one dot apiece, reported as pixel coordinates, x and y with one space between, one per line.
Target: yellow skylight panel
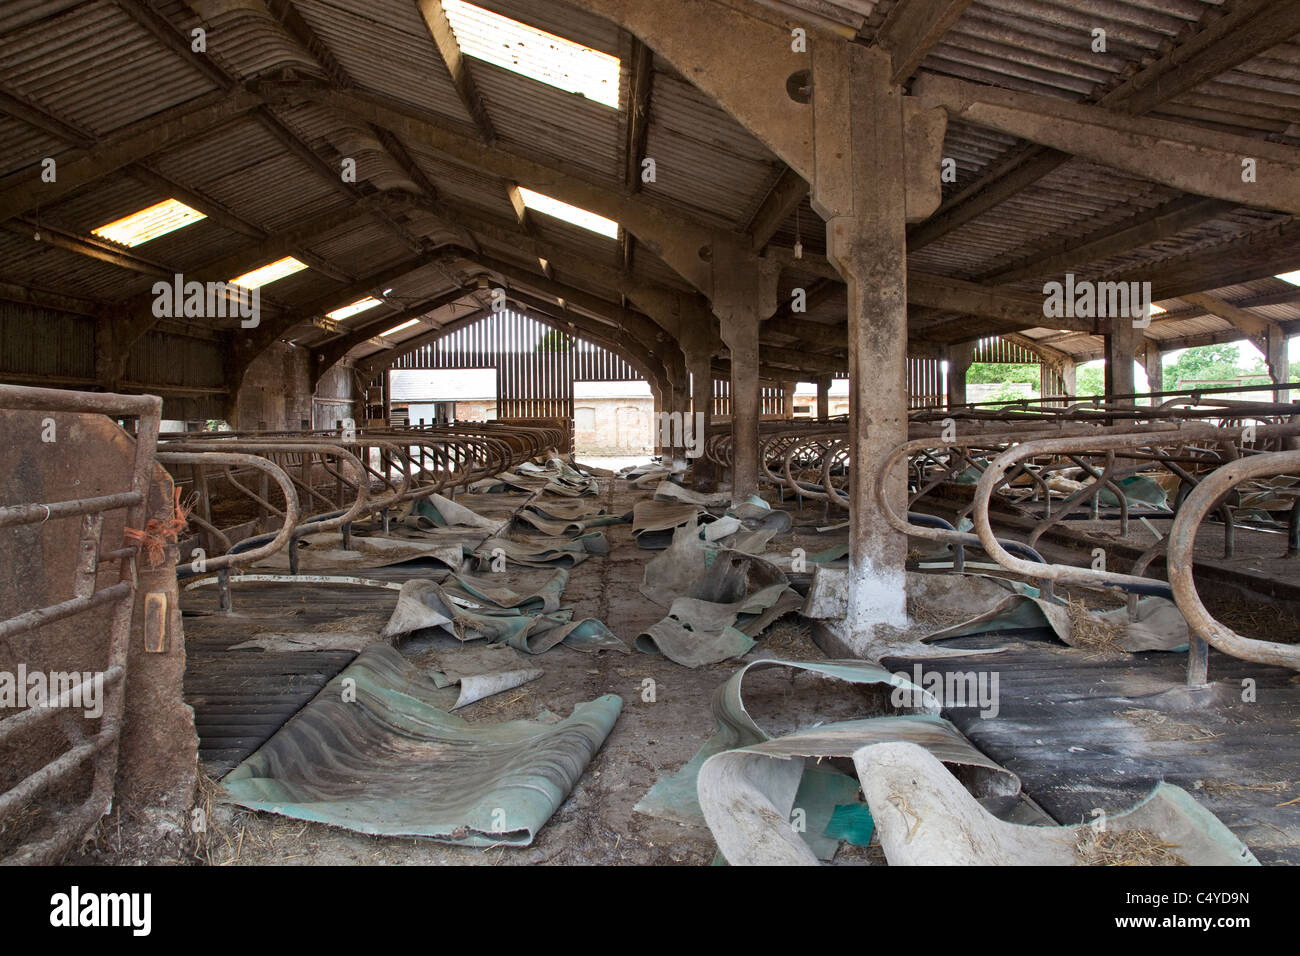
157 220
570 214
269 273
534 53
398 328
361 305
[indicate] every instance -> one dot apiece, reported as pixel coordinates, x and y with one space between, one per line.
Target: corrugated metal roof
546 122
96 68
689 133
385 47
93 66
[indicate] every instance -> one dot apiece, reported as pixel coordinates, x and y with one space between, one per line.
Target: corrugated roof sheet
93 66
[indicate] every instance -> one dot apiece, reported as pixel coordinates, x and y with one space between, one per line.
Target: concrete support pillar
700 360
679 402
959 362
1122 345
1069 379
744 294
1154 367
787 398
860 190
656 433
740 333
1279 365
823 396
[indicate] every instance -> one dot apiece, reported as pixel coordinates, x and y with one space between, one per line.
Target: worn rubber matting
240 698
1083 731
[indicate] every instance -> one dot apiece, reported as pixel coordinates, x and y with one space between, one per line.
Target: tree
1089 380
1009 393
1209 363
1001 373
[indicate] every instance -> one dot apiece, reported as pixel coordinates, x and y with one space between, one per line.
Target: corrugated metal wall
46 347
43 342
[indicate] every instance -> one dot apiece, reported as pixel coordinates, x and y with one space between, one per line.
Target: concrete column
860 190
657 398
679 400
740 333
744 294
787 397
959 362
700 363
1068 372
1154 367
824 396
1279 365
1121 352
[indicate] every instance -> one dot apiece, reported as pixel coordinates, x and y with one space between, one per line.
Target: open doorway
613 423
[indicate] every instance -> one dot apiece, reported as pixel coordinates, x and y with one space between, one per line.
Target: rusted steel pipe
1180 555
248 461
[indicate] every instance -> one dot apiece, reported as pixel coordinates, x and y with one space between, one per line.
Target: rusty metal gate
108 607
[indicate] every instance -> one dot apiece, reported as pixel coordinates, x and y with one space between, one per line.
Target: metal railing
112 604
1180 553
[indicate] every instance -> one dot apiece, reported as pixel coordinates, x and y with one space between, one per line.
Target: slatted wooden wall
535 364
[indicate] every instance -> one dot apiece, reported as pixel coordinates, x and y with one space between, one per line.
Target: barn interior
509 433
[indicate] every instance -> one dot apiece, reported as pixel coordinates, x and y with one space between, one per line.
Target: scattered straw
1216 786
1256 619
360 623
1088 632
1095 847
934 617
792 641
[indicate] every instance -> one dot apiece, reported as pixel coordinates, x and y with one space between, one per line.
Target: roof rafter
1187 157
24 191
913 27
462 77
1250 28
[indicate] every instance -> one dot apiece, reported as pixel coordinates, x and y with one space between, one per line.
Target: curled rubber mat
377 752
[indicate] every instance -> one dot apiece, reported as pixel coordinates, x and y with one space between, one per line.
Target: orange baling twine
155 537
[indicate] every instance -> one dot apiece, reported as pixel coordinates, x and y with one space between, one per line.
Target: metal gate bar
101 749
